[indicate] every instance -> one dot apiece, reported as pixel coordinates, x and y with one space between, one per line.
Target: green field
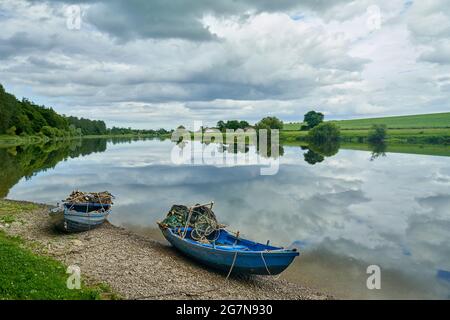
424 136
420 121
433 120
423 129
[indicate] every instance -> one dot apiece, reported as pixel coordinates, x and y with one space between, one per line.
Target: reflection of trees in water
313 157
271 146
235 148
318 151
378 149
125 139
26 161
245 148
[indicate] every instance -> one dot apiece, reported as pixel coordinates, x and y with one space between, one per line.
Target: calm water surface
344 213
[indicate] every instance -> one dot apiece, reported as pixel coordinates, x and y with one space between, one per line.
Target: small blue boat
230 253
70 220
75 221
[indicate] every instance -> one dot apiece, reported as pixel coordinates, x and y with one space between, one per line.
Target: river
345 211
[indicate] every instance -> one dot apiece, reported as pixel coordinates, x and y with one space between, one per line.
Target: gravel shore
137 267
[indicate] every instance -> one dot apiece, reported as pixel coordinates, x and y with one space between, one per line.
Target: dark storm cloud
23 42
128 20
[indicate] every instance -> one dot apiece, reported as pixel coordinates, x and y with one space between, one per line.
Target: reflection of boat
75 221
195 232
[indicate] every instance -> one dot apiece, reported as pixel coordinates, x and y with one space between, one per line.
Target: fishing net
203 221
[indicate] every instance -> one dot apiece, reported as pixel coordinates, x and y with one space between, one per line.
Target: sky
152 64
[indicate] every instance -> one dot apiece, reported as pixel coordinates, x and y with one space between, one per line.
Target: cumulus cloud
137 62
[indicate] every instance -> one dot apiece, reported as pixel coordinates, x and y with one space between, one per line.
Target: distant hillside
432 120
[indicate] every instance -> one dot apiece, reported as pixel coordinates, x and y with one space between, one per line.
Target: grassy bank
413 136
27 275
421 121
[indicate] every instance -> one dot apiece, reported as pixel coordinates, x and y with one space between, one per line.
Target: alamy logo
374 280
74 280
73 17
203 147
373 18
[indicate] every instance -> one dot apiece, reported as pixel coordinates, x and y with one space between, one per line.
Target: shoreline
15 141
138 267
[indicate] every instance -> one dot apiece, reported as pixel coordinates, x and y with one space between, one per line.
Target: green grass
411 136
432 120
10 210
8 207
430 135
26 275
7 218
292 126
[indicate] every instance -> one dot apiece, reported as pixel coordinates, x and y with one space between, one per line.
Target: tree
11 131
243 124
221 125
269 123
313 118
232 124
323 133
377 133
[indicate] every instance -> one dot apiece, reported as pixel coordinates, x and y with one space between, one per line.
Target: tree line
25 118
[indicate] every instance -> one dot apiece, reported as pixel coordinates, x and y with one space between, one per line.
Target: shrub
324 132
377 134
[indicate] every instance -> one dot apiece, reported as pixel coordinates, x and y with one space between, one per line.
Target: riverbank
399 136
7 141
135 266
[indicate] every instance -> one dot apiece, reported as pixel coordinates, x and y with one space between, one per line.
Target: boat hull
72 221
271 262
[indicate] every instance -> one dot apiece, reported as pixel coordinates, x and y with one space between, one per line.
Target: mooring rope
232 266
264 260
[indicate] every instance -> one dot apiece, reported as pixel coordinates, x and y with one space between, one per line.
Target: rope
232 266
264 260
187 223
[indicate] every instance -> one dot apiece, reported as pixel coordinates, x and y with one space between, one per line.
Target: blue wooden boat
74 221
230 253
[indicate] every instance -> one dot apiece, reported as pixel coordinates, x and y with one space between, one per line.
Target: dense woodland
24 118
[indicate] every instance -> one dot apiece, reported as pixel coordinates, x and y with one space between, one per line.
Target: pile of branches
92 197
